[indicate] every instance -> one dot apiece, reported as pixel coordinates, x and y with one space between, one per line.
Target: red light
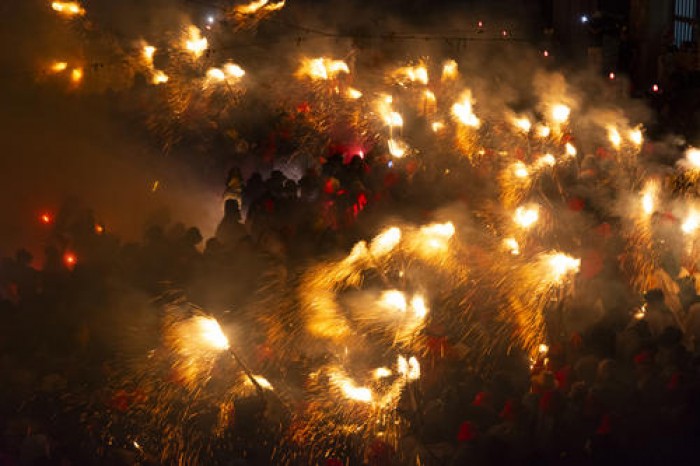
45 218
480 24
611 76
504 33
655 88
70 260
545 53
99 229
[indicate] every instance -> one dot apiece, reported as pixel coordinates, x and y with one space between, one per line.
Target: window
685 15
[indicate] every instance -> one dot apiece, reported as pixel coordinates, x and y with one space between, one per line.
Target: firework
194 42
321 68
522 123
411 74
614 137
59 66
449 70
256 6
68 9
462 110
526 216
560 113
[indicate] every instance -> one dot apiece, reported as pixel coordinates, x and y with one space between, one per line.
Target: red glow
611 76
99 229
655 88
70 259
480 24
545 53
504 33
46 218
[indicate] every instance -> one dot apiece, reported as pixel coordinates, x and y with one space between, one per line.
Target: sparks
614 136
59 66
159 77
394 119
437 126
692 156
385 242
233 70
636 136
420 310
322 68
70 259
210 334
394 300
410 369
194 42
148 53
691 222
68 8
649 197
523 124
462 110
560 113
254 7
382 372
418 73
562 265
520 170
350 389
543 131
76 75
353 93
526 217
216 74
511 244
449 70
46 218
397 148
547 160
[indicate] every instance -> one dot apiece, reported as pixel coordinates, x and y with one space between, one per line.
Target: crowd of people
623 390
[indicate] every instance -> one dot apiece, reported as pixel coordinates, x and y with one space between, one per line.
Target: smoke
89 143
